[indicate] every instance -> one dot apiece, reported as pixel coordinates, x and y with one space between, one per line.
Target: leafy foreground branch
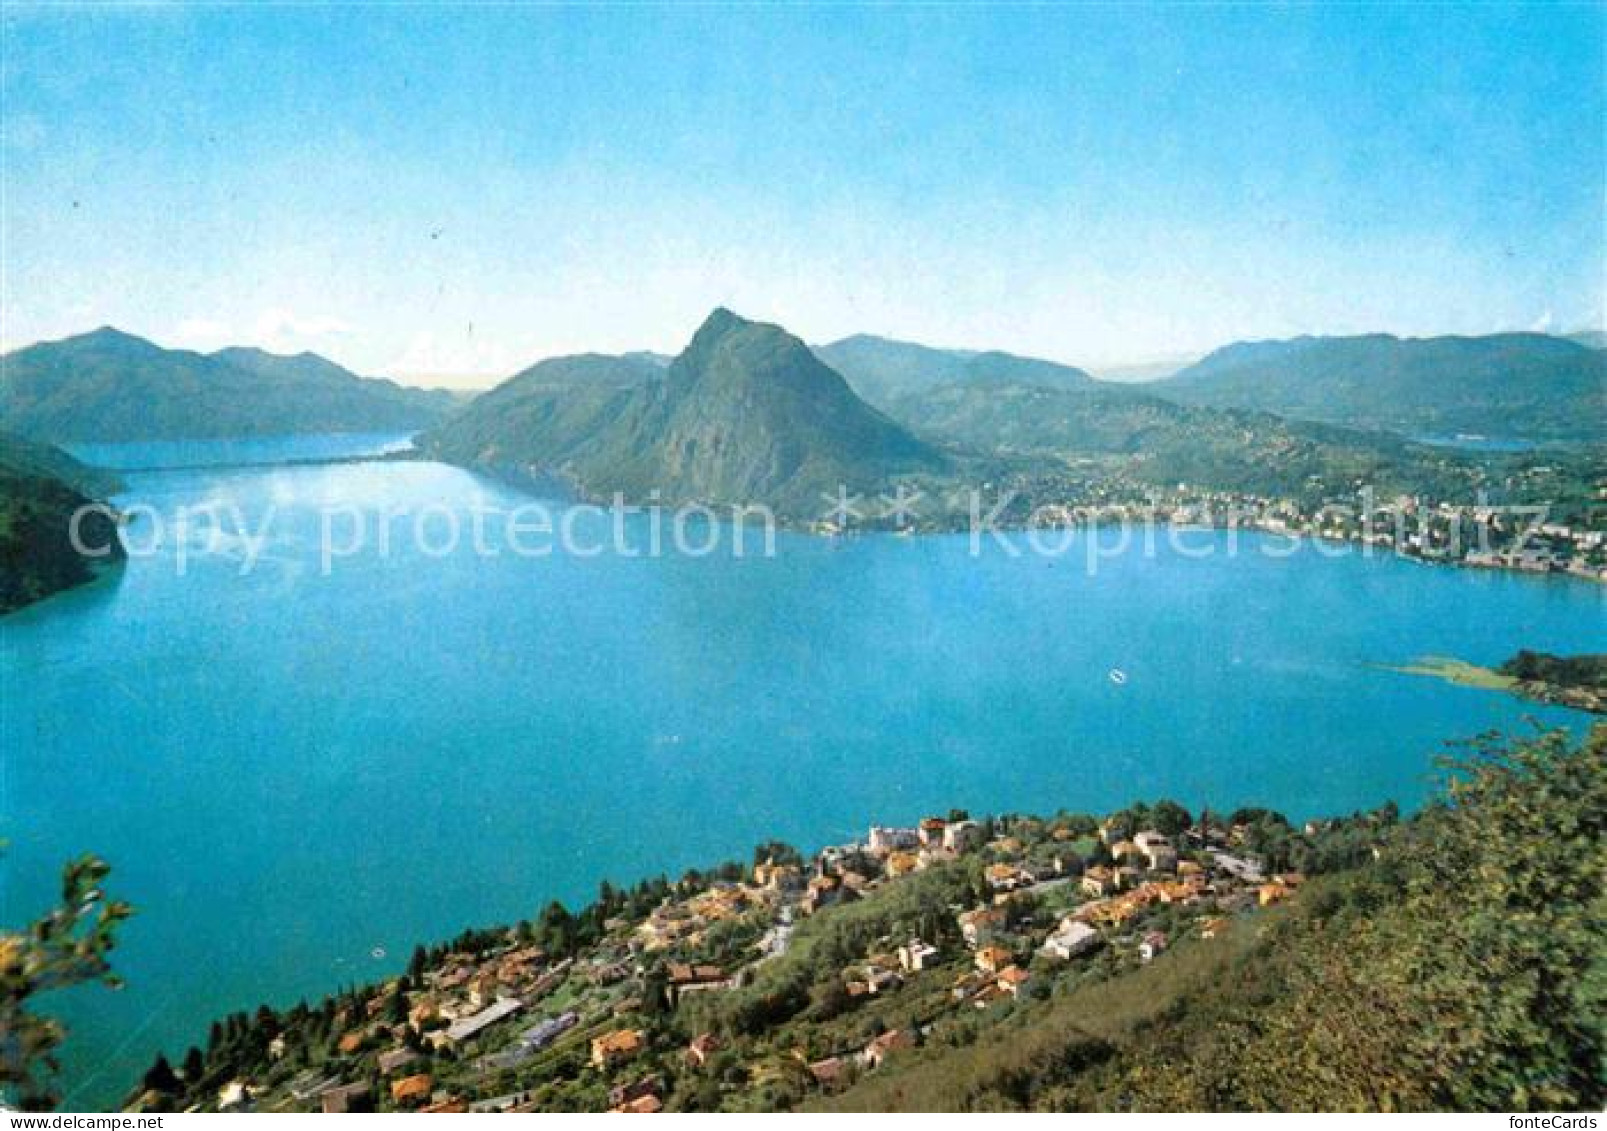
67 947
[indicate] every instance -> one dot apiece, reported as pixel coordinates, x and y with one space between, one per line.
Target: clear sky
461 190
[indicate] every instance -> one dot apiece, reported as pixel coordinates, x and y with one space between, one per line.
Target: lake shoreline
1463 674
548 484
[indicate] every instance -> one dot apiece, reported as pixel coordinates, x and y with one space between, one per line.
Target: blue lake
297 775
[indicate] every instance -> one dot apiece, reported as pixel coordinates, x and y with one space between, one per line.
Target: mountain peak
109 336
721 319
716 326
746 414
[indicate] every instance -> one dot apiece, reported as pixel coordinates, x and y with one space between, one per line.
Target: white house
916 955
1069 940
884 839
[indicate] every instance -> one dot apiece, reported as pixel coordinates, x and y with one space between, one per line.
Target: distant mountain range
40 489
745 414
112 386
1529 386
883 371
109 386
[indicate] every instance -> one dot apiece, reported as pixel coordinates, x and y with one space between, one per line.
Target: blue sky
461 190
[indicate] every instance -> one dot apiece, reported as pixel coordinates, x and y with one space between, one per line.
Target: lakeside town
767 984
1523 537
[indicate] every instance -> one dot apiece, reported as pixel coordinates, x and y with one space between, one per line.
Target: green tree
160 1077
1170 818
396 1007
778 851
66 947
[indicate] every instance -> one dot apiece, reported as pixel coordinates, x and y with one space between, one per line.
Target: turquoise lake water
296 776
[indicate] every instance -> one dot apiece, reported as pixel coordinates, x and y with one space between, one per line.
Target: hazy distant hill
1595 339
1529 386
882 370
110 386
1159 441
40 489
746 414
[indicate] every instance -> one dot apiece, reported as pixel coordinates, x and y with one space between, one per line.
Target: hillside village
759 987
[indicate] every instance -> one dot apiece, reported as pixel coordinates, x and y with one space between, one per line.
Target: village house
977 924
616 1047
701 1049
1012 979
685 979
1113 911
830 1072
722 901
310 1084
346 1098
968 983
1070 939
870 979
962 836
484 988
511 1101
916 955
643 1105
234 1096
880 1048
454 976
665 925
884 840
1172 891
902 864
1152 944
992 959
1274 892
412 1090
621 1094
1124 850
854 884
1099 881
603 973
989 992
1157 850
1005 877
394 1060
467 1028
777 877
425 1010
